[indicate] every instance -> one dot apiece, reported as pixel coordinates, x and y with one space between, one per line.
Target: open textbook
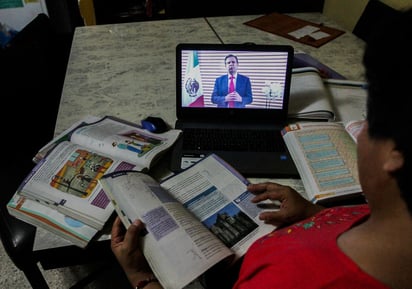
315 98
194 219
116 137
49 219
326 158
69 167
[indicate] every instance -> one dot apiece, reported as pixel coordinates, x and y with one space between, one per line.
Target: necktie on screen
231 89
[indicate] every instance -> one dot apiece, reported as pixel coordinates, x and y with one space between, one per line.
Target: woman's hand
293 207
125 245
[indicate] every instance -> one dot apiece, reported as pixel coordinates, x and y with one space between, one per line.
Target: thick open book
313 97
195 219
326 158
302 59
67 173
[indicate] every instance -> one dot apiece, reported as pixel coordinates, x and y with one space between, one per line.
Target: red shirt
306 255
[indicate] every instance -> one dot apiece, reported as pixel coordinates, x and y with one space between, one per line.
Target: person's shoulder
242 76
222 76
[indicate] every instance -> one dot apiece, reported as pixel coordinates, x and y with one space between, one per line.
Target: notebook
254 116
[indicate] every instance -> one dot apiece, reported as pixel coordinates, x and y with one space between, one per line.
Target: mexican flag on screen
192 86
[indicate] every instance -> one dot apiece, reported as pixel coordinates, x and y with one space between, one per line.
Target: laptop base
275 165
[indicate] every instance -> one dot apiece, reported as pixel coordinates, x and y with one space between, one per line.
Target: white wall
18 18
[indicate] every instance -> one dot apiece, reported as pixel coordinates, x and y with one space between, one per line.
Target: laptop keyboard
232 140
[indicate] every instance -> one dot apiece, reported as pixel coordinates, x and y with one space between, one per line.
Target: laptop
254 118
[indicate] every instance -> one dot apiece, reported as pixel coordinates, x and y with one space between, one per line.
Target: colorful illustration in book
80 173
138 142
128 146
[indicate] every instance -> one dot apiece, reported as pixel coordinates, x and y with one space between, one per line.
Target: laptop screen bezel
229 114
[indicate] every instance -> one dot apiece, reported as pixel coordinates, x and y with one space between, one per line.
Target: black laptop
243 127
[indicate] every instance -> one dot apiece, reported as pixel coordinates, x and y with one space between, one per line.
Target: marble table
128 70
343 54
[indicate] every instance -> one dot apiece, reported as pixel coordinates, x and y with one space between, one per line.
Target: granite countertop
343 54
128 69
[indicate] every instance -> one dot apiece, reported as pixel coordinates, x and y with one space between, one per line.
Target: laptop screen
262 75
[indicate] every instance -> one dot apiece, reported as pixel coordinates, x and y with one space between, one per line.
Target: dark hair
231 55
388 67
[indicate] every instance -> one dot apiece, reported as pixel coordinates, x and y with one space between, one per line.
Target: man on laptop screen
237 115
232 89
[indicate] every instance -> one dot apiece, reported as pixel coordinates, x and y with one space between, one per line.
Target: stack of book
62 193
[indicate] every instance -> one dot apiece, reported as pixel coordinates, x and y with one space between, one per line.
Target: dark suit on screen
243 87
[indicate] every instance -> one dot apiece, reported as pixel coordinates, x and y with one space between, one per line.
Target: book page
178 247
125 141
354 127
302 59
67 180
309 99
216 194
349 98
51 220
63 136
325 156
118 138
